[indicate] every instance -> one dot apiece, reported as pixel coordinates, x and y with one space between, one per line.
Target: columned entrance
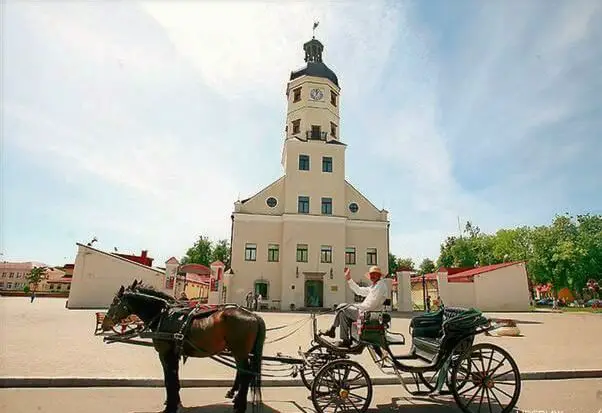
314 289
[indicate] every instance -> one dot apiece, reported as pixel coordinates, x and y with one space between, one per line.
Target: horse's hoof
230 394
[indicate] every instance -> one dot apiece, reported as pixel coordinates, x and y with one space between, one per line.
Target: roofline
263 189
365 197
120 258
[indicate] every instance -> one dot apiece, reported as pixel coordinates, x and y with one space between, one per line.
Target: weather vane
316 23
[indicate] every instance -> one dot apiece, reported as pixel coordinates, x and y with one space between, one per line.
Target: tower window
316 132
296 126
304 162
327 206
333 98
333 130
371 256
250 252
350 255
303 205
296 94
326 254
326 164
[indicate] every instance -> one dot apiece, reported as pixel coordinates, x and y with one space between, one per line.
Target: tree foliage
396 263
427 266
566 253
204 252
36 276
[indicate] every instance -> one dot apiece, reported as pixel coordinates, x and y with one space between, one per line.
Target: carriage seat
429 330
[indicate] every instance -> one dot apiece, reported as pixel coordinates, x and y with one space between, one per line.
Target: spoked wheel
492 385
317 357
342 386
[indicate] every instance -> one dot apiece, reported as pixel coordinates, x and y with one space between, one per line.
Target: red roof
218 264
195 269
197 279
480 270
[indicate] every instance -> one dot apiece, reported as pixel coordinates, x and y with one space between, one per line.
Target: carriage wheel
317 357
492 384
342 386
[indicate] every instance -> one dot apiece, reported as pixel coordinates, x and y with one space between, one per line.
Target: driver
346 314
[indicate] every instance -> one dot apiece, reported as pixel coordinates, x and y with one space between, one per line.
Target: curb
74 382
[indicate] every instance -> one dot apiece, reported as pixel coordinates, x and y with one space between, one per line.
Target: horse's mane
150 290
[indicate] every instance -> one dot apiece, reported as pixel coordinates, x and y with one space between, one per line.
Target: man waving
346 314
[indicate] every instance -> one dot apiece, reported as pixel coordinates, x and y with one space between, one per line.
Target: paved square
44 339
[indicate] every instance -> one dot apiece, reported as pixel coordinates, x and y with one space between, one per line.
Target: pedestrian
33 296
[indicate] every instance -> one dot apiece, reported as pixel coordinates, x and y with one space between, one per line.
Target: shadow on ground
220 408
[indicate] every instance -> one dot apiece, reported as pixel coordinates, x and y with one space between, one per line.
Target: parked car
591 302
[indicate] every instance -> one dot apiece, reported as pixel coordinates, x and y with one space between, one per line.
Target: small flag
316 23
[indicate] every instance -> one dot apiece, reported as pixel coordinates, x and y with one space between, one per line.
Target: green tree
427 266
36 276
397 262
199 253
221 252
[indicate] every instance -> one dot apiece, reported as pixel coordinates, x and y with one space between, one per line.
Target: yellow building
292 240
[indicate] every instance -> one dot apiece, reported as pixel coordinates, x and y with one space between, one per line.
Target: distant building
497 287
13 278
292 240
98 275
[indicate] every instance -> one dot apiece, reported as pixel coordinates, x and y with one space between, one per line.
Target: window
326 164
371 256
327 206
273 252
262 288
296 126
304 162
333 98
316 132
333 130
326 254
271 201
297 94
353 207
303 207
302 253
11 275
350 255
250 252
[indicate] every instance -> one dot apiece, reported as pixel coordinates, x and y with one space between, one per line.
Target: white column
404 291
217 277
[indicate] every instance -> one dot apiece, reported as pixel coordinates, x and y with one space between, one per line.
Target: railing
316 135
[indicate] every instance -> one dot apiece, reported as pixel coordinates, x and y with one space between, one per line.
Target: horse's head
120 308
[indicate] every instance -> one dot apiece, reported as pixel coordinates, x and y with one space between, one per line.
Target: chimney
143 254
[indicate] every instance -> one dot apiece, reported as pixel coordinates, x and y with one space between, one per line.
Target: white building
292 240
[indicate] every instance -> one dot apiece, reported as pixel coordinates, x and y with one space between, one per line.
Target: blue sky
142 123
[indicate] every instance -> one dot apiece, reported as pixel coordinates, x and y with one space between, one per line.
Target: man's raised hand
347 274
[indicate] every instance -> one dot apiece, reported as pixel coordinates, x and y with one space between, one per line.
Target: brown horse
231 328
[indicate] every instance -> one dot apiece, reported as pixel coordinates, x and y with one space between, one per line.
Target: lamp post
424 291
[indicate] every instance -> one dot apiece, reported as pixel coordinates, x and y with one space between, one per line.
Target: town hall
292 240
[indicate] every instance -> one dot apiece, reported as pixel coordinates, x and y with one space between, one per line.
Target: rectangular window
326 254
297 94
302 252
350 255
326 164
327 206
316 132
304 162
333 98
273 253
371 256
296 126
303 207
333 130
250 252
262 288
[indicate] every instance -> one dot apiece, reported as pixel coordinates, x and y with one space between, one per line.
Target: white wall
505 289
98 276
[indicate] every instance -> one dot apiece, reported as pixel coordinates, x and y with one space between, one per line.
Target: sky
141 123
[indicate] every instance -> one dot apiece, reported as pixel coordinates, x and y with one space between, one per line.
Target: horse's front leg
169 361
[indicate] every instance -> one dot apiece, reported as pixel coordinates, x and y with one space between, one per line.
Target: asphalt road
551 396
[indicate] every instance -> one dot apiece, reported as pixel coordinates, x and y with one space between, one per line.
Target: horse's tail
256 362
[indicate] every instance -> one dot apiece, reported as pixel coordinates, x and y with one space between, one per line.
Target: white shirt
375 295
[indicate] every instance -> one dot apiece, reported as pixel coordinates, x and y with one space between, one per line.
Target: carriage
443 359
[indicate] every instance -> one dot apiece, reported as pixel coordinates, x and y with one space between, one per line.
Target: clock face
316 94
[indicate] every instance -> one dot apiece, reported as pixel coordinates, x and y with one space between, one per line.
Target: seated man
346 314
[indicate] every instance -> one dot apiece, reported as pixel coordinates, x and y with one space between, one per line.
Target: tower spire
316 23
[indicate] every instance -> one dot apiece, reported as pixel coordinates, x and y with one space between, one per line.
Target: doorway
314 293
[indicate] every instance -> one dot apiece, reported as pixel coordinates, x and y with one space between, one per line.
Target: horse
232 327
